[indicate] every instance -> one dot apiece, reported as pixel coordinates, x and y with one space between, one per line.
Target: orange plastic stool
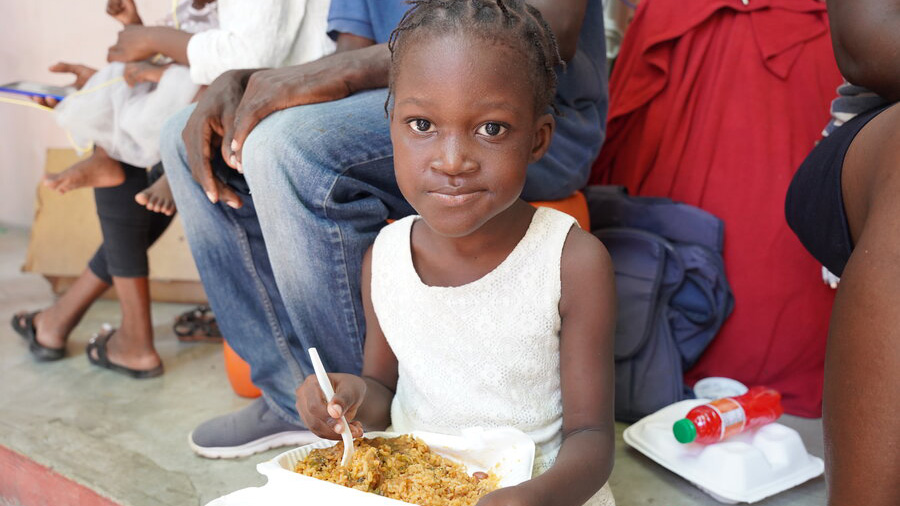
239 371
574 205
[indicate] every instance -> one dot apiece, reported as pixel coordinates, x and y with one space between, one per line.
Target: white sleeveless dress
482 354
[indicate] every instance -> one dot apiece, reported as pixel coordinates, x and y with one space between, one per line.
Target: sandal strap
99 342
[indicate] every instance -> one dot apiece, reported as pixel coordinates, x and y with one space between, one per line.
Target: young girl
481 310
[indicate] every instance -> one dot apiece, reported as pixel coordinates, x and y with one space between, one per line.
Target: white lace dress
482 354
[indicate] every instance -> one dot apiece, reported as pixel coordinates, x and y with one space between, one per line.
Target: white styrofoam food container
746 467
508 452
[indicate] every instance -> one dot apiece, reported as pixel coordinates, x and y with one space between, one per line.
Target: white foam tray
507 452
747 467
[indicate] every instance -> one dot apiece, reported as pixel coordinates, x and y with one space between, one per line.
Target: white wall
34 34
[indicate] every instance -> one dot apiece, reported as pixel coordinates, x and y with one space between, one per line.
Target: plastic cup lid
716 387
684 431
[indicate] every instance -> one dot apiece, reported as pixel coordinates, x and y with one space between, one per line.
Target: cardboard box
66 233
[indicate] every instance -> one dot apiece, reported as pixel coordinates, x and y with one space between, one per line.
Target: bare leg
157 197
53 325
132 344
862 363
96 171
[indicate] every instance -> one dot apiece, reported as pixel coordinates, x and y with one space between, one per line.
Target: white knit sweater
260 33
482 354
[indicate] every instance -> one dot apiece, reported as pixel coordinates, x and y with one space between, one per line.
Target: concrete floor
126 439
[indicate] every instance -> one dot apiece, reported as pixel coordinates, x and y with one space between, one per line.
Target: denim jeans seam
279 411
274 327
346 302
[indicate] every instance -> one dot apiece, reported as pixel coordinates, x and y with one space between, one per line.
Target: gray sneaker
245 432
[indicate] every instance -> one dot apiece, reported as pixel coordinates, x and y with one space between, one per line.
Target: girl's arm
365 400
866 39
379 363
588 310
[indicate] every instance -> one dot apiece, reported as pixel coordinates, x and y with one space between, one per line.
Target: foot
49 330
23 324
246 432
119 351
158 197
96 171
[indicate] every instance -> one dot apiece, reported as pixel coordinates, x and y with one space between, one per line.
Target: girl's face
464 129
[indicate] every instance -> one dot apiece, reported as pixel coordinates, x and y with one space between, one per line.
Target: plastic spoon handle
328 390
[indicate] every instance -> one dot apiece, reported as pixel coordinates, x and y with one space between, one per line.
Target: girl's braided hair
512 22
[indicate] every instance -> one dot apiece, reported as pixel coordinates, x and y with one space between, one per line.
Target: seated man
284 177
843 205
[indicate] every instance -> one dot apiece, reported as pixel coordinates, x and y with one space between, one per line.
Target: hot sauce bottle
715 421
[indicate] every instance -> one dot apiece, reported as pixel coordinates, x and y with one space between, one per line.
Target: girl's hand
325 420
511 496
143 72
133 44
124 11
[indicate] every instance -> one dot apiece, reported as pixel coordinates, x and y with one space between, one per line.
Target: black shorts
814 206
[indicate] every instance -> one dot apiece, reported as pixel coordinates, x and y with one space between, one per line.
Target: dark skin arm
866 39
862 360
137 43
242 98
565 18
587 309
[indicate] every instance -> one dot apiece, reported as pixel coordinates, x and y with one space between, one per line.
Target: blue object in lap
673 296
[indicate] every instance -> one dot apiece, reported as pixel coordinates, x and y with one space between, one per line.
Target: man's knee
286 144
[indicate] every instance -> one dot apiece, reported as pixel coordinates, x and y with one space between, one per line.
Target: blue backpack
672 293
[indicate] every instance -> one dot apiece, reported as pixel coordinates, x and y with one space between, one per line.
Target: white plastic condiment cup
328 390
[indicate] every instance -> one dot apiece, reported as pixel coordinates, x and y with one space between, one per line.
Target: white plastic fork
328 390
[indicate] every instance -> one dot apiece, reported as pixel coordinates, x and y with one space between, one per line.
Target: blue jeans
283 272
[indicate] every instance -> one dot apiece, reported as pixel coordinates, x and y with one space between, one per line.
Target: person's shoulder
584 256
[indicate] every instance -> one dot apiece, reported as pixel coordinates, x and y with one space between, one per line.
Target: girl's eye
491 129
420 125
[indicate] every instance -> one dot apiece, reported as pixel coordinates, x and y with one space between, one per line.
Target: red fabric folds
715 104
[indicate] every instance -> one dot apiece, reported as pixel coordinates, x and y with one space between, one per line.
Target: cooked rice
400 468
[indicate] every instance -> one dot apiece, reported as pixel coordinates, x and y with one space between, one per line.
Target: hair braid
514 21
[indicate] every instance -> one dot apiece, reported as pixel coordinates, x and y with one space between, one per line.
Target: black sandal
23 324
197 326
99 342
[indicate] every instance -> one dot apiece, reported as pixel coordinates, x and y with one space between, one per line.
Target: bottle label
732 415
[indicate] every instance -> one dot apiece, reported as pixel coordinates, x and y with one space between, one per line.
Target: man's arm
137 43
357 65
565 18
866 39
237 100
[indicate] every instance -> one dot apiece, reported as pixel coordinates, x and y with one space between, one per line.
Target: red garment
715 104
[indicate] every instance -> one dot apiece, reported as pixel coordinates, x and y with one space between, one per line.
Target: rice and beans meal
402 468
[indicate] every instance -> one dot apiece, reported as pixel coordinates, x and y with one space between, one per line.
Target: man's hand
143 72
211 126
81 72
124 11
331 78
133 44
